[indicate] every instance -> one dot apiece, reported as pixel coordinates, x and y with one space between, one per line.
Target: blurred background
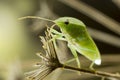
19 40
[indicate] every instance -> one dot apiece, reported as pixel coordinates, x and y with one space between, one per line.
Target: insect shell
76 34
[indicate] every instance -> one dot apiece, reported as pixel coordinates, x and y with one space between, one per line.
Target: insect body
75 33
78 39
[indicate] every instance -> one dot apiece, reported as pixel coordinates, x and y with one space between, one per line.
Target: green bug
75 33
78 38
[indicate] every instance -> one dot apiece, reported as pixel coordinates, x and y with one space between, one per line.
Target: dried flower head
49 60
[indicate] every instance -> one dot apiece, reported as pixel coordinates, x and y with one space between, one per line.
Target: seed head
49 60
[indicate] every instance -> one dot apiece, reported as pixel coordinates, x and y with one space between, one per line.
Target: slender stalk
94 72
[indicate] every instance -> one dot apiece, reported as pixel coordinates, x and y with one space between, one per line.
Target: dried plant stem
94 72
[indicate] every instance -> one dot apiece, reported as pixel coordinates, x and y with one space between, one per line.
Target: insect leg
91 66
55 31
51 30
56 35
74 54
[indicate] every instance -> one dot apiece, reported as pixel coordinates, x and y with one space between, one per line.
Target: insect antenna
35 17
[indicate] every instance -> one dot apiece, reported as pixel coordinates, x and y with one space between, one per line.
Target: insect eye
66 22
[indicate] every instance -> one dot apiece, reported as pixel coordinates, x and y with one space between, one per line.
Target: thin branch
96 73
